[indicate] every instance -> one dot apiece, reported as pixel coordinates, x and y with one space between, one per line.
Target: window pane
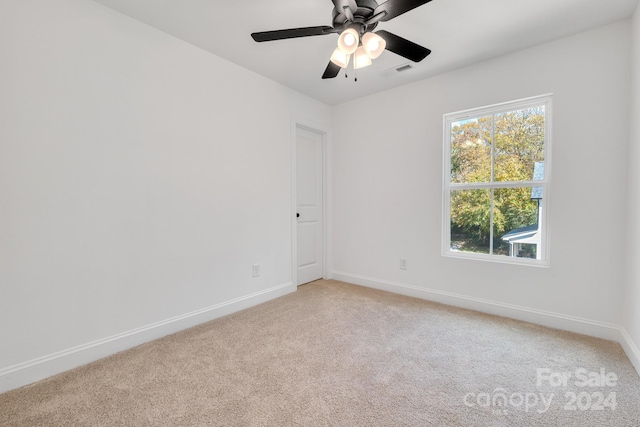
519 144
470 220
516 222
471 150
496 181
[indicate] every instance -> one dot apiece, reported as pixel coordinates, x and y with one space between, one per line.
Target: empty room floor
335 354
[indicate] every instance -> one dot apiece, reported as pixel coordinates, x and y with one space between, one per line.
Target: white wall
631 321
387 175
140 178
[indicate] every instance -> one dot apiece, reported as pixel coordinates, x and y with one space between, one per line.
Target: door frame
324 131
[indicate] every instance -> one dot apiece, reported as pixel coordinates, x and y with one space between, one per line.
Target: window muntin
496 172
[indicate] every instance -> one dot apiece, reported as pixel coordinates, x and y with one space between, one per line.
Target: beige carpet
334 354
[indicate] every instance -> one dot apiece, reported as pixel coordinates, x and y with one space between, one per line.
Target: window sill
500 259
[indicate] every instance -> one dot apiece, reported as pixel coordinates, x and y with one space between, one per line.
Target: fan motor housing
364 13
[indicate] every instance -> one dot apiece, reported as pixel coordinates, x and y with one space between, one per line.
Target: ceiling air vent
391 72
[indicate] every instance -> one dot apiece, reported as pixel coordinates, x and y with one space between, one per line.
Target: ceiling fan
355 21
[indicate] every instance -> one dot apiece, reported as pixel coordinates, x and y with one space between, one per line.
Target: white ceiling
459 32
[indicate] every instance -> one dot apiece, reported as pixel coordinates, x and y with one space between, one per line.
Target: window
496 182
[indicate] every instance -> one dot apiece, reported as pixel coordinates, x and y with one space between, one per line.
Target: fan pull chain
346 70
355 72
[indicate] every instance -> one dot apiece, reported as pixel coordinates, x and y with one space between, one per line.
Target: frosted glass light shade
348 41
361 59
373 44
340 58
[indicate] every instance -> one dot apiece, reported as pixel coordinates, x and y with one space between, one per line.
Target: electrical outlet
256 270
403 263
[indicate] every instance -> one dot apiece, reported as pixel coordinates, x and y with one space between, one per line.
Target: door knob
297 215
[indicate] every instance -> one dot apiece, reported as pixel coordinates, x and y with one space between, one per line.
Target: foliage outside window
496 182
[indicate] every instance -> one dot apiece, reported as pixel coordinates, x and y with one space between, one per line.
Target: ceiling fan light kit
371 47
361 59
373 44
355 21
348 41
340 58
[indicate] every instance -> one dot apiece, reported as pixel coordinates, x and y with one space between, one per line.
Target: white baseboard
540 317
630 347
43 367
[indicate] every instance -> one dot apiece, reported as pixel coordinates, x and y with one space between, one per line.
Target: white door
309 167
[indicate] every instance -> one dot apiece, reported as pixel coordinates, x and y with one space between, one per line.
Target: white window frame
537 101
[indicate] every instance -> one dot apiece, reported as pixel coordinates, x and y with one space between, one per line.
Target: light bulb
361 59
348 41
373 44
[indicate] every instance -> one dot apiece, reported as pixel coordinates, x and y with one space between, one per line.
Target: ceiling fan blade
397 7
266 36
404 47
331 71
